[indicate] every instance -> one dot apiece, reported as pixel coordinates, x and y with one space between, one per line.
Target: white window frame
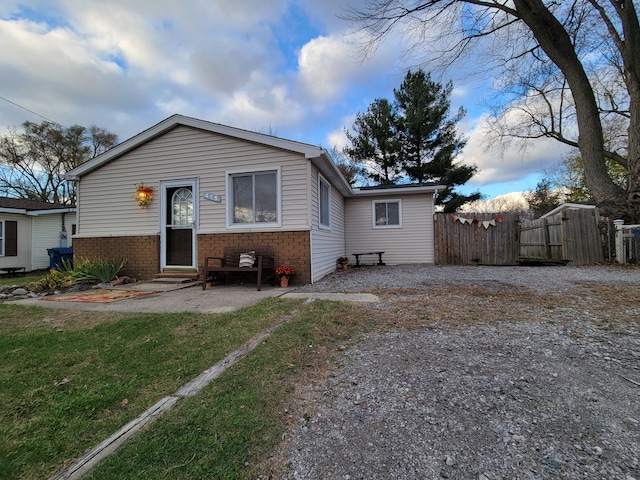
321 181
3 240
391 200
229 174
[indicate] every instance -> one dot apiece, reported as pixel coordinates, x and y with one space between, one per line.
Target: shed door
179 226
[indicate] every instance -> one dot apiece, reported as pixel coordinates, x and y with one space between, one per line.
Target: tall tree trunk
555 42
630 50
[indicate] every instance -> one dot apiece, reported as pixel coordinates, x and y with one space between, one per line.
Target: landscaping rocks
14 293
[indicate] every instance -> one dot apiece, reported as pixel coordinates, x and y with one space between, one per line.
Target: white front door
178 230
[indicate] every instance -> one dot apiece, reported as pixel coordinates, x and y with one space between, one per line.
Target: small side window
324 193
387 214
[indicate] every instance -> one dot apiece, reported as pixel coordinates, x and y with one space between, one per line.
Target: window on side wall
387 214
8 238
253 198
324 193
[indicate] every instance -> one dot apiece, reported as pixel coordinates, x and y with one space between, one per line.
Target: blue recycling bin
58 254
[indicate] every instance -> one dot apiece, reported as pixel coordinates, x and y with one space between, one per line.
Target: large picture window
254 198
387 214
324 192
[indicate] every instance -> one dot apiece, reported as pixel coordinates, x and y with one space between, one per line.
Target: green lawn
64 378
6 280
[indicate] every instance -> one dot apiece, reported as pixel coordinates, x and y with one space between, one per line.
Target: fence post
620 253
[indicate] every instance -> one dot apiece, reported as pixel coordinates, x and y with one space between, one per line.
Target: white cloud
325 65
505 162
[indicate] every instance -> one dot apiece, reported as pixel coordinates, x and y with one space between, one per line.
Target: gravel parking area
481 373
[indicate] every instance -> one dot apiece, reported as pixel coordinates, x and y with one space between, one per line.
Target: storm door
179 215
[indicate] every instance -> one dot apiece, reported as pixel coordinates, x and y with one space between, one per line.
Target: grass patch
64 375
7 281
226 431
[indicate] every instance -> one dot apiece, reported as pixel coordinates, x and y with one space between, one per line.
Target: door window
182 208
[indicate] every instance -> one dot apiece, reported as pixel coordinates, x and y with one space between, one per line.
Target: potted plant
284 272
342 263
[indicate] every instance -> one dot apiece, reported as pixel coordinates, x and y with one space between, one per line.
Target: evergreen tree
413 139
544 198
374 142
430 143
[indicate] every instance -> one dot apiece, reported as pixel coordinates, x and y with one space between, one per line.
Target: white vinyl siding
326 244
413 243
46 234
106 207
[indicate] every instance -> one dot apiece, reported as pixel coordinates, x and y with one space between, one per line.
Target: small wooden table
11 271
358 255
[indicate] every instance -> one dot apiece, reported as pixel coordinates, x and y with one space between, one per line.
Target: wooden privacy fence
467 239
571 236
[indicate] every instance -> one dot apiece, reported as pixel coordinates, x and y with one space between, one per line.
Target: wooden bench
358 255
230 263
11 271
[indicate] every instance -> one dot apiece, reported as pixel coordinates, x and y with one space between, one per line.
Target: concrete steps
178 277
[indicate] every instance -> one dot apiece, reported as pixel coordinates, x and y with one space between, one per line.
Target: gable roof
310 152
32 207
317 155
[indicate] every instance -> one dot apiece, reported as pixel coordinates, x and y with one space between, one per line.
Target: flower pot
284 282
345 266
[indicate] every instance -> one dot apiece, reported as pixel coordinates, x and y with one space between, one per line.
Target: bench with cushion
240 260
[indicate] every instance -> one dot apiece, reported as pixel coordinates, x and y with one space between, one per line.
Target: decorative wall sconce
144 195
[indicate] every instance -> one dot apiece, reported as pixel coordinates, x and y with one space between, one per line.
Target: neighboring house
216 186
28 228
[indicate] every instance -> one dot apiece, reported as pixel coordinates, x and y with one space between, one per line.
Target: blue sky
285 67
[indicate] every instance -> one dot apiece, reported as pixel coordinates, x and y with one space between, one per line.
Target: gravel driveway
486 373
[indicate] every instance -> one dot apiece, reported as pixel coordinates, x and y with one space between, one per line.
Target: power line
30 111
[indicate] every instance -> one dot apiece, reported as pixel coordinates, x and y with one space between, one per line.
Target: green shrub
98 270
68 274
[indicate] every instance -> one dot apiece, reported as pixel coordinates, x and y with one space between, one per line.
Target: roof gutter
396 190
35 213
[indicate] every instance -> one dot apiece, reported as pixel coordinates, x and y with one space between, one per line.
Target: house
28 228
186 188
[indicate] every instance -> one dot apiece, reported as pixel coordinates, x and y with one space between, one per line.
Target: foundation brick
289 248
143 252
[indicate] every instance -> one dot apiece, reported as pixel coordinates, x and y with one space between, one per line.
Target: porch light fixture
143 195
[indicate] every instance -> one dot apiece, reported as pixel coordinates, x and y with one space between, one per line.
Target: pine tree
413 138
429 139
375 142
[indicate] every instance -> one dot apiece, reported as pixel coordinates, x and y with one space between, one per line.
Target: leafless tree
33 162
566 69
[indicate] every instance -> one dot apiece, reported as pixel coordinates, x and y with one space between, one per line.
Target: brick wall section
289 248
142 253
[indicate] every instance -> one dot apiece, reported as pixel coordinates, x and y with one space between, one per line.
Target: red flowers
285 271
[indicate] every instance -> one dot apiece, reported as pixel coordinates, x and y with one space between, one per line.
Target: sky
290 68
